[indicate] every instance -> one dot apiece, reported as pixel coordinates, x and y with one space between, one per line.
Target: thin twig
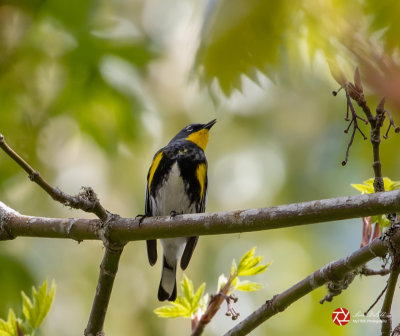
391 123
376 301
370 272
108 271
353 121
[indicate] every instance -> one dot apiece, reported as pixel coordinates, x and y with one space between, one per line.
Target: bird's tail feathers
167 288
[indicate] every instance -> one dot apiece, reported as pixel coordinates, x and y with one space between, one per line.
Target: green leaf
172 310
185 302
9 327
203 303
222 280
36 309
233 267
254 270
234 282
248 286
381 219
248 264
391 185
368 186
198 295
396 185
245 259
253 262
364 189
186 305
187 288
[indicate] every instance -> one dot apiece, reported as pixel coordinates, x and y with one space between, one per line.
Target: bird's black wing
188 252
151 244
192 241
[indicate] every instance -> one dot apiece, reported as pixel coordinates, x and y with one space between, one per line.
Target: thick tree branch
385 314
376 141
333 271
13 224
108 271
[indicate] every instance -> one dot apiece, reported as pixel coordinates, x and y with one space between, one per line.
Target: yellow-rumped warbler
177 184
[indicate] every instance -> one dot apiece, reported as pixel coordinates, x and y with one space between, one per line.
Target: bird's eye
189 128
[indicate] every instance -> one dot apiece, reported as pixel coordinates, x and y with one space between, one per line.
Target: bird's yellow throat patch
200 138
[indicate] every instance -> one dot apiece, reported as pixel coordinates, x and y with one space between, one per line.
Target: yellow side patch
201 173
200 138
154 167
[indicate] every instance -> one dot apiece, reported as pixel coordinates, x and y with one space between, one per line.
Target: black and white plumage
177 184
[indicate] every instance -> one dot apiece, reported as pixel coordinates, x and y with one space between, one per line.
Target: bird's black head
197 133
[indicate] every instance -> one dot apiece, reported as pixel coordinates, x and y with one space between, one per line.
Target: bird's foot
141 217
174 213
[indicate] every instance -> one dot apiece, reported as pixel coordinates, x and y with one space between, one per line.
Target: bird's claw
174 213
141 217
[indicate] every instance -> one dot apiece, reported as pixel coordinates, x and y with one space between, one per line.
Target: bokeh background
89 90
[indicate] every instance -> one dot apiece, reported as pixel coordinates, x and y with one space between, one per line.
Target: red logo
341 316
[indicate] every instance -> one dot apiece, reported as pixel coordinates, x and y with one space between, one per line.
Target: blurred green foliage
89 90
240 38
51 64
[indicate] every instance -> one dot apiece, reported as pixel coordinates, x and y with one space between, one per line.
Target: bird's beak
210 124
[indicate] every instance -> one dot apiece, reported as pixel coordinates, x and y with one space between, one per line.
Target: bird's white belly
171 196
173 249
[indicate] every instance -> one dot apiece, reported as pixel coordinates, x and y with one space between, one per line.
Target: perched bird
177 184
